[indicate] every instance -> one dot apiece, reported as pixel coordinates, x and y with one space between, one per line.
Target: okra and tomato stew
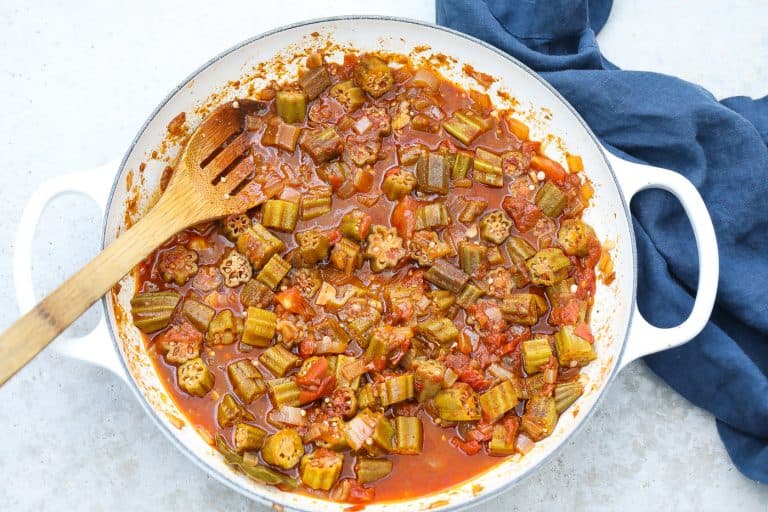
412 299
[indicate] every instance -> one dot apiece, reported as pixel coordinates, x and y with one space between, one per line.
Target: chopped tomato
551 169
511 425
316 382
404 216
469 447
566 314
293 302
583 331
524 213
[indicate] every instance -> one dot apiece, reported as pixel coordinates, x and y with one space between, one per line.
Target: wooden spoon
213 178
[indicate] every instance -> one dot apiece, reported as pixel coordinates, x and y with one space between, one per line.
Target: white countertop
78 79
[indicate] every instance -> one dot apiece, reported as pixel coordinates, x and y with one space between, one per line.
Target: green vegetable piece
346 256
369 470
434 215
574 237
385 248
322 144
523 308
348 94
471 256
495 226
224 328
314 246
316 202
280 134
433 176
551 199
314 81
503 442
369 430
396 389
539 418
472 210
488 168
194 377
498 400
230 412
274 271
398 183
279 360
384 340
342 360
536 353
461 165
280 215
355 225
566 394
258 244
373 75
573 350
468 295
256 471
465 126
548 266
440 331
457 403
247 381
366 397
152 311
446 276
428 378
235 225
257 294
321 468
284 391
198 314
248 437
442 299
332 338
291 106
177 264
283 449
408 435
259 328
519 250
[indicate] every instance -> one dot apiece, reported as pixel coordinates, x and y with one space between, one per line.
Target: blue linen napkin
720 147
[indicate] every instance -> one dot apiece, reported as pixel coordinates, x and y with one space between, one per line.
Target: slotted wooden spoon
213 178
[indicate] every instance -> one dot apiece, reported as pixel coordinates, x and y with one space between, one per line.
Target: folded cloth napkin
720 147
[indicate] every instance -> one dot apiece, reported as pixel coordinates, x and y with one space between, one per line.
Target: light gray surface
78 79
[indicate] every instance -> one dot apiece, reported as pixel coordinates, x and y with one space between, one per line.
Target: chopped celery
498 400
369 470
408 435
447 276
432 174
314 246
151 311
551 199
246 380
248 437
280 215
566 394
284 391
396 389
259 328
291 106
574 237
434 215
283 449
198 314
314 81
548 266
279 360
321 468
536 353
274 271
457 403
495 226
539 418
471 256
523 308
472 210
194 377
573 350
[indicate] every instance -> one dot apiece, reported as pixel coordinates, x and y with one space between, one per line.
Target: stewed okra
412 298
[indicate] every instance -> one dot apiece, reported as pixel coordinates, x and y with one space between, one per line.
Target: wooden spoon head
216 164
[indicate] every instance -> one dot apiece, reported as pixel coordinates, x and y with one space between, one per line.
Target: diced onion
524 444
326 294
424 78
500 372
288 415
449 378
362 125
550 375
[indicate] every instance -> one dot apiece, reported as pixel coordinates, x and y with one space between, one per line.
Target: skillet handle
94 347
645 338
